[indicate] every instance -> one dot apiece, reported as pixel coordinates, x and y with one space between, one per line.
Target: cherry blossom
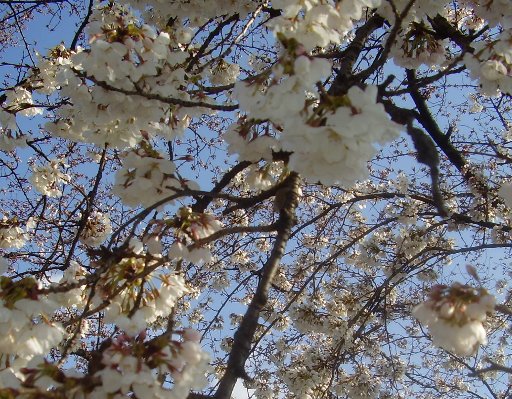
97 229
280 194
11 234
454 316
47 179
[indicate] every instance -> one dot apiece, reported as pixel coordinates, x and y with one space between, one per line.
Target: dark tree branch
349 56
82 26
245 334
427 155
209 39
203 202
441 138
88 207
383 56
151 96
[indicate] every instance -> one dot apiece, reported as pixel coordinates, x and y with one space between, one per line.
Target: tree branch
245 334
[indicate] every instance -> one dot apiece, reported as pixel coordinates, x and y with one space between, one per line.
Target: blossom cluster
196 12
26 326
138 291
124 57
417 11
20 100
318 23
11 234
491 64
47 179
454 316
224 73
329 145
338 150
493 12
413 48
143 77
123 373
96 230
146 178
9 139
191 228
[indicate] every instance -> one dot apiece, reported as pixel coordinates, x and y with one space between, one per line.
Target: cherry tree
309 197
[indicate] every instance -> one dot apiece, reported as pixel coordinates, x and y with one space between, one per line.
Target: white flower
259 179
199 256
20 100
97 229
47 179
454 316
8 379
338 150
178 251
249 149
462 340
11 234
224 73
505 192
154 245
26 330
144 180
493 70
478 310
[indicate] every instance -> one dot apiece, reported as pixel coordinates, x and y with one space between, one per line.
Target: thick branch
349 56
245 334
203 202
158 97
209 39
82 26
440 138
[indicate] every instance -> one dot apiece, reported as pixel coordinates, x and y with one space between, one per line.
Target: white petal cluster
25 327
19 100
280 102
193 227
97 229
419 11
196 12
52 70
11 234
505 192
286 98
338 151
317 23
198 225
331 148
123 56
493 11
491 65
144 179
364 385
125 375
260 178
9 140
197 256
306 320
47 179
224 73
412 50
304 381
454 316
249 148
158 291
